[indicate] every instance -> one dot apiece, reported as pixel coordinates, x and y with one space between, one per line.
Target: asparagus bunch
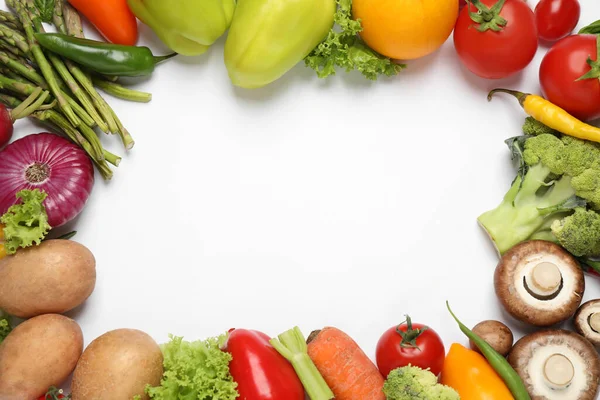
71 102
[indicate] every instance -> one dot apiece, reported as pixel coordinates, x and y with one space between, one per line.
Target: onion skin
6 126
60 168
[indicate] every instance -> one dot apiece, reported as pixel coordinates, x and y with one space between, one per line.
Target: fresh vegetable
496 38
54 277
104 58
410 344
117 365
74 107
556 179
39 353
5 326
342 48
405 30
200 370
496 361
272 377
414 383
556 19
51 164
557 364
113 19
54 394
191 27
267 39
346 368
25 223
569 75
587 321
539 283
468 372
26 108
496 334
292 345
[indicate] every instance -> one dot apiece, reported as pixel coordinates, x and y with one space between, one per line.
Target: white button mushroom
587 321
556 364
539 283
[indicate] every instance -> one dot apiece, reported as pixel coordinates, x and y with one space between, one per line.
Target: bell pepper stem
292 345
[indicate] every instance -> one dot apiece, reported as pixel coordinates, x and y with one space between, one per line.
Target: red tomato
409 343
564 63
495 55
556 19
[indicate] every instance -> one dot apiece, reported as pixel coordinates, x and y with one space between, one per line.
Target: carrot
112 18
348 371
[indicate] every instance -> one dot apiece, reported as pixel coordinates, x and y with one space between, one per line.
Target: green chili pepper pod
104 58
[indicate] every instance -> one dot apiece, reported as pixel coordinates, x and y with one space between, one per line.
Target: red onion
50 163
6 126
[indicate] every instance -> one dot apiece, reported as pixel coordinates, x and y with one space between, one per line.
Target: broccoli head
413 383
555 195
5 327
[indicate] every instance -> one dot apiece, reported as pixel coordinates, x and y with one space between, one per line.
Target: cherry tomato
409 343
556 19
560 70
495 55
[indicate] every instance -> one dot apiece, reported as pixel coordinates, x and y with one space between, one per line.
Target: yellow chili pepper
469 373
552 116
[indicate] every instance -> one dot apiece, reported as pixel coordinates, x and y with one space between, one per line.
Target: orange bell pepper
112 18
469 373
2 249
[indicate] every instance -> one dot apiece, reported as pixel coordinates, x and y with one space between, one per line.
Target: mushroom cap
519 264
529 358
587 320
496 334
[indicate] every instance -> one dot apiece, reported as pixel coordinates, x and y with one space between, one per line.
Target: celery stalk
292 345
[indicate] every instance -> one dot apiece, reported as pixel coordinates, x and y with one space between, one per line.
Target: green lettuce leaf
195 371
25 223
343 48
5 327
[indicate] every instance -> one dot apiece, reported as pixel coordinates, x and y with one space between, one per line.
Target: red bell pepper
259 370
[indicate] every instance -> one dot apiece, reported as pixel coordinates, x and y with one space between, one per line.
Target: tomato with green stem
495 38
54 394
569 76
410 343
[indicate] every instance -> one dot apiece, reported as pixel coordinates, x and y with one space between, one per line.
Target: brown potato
117 366
39 353
54 277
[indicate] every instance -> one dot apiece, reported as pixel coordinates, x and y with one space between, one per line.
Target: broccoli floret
413 383
534 127
554 196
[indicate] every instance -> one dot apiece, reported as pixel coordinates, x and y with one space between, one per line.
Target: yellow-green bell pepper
188 27
268 37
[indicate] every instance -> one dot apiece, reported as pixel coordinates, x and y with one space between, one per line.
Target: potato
52 278
39 353
117 366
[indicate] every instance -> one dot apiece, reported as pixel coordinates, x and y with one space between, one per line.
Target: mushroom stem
544 282
594 322
559 371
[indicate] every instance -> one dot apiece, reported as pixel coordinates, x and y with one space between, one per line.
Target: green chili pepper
101 57
497 361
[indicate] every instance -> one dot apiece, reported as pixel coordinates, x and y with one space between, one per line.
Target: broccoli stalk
555 196
413 383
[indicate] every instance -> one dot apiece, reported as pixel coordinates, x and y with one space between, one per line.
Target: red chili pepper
259 370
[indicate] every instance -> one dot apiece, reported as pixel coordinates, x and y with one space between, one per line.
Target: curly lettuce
343 48
5 327
195 371
25 223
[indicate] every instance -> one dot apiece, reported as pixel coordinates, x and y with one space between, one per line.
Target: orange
405 29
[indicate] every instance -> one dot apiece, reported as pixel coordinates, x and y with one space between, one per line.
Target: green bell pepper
267 38
188 27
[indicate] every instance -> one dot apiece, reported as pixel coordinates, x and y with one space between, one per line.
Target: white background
342 202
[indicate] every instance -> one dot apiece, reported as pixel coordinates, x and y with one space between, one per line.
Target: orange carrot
112 18
346 368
